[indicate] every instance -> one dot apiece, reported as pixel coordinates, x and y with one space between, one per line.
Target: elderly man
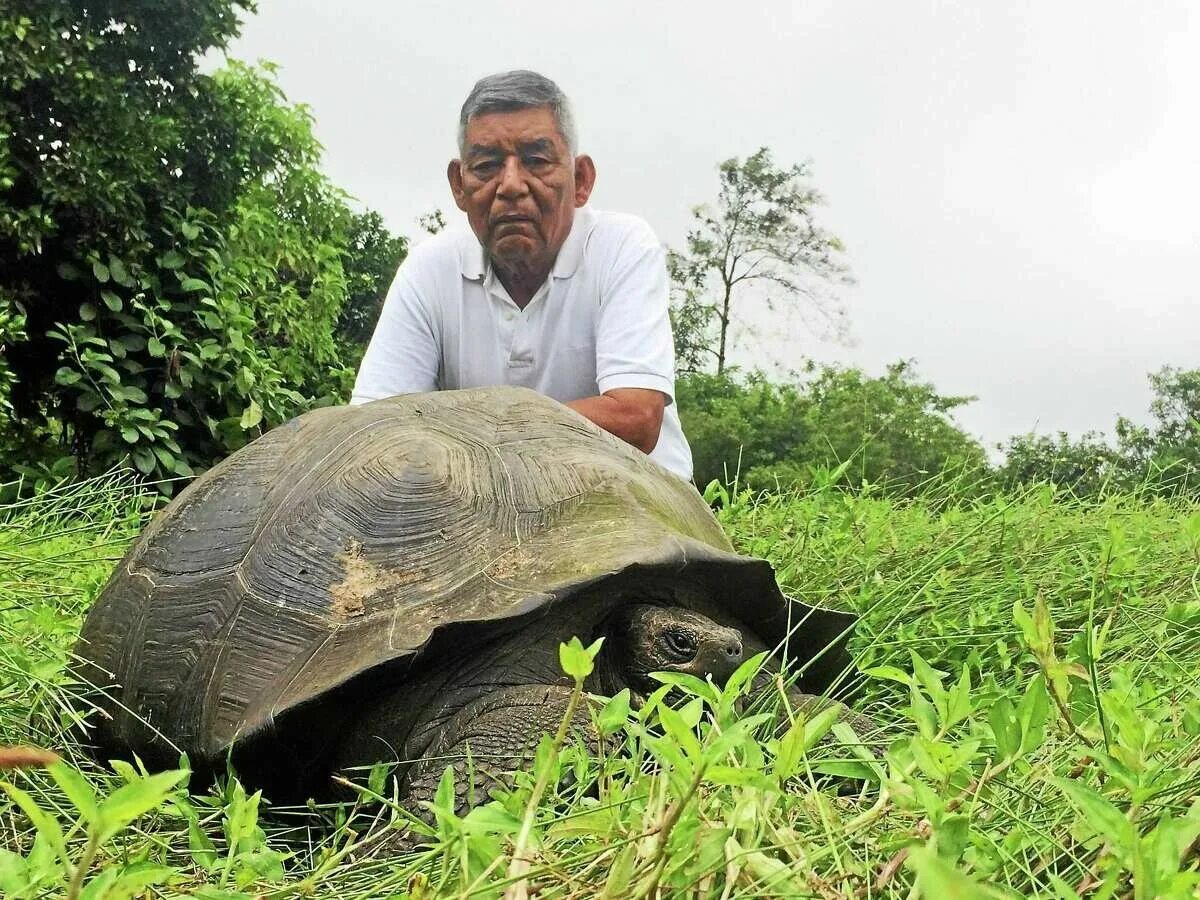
548 294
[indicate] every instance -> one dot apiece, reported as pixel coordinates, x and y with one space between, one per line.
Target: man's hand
633 414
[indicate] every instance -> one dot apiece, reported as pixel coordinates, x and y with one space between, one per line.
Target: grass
1034 663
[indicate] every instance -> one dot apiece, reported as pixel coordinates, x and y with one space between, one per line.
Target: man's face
519 186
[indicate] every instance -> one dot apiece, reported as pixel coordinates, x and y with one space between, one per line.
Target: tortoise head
642 638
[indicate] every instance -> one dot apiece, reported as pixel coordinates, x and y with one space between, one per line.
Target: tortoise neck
607 678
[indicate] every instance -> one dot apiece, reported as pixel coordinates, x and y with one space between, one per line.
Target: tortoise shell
341 542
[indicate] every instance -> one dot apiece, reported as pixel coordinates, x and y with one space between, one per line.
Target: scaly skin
484 712
490 739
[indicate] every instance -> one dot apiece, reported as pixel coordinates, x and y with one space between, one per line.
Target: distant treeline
894 435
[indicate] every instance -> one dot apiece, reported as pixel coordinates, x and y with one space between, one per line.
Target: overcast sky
1017 183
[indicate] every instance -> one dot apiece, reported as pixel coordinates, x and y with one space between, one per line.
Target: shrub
892 431
164 298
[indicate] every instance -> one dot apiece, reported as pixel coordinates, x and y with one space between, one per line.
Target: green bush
176 263
371 258
893 431
1084 467
1162 458
734 425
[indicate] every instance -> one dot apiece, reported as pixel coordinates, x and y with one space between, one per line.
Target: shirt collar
474 263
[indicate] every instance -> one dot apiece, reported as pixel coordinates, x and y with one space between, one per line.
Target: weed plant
1033 664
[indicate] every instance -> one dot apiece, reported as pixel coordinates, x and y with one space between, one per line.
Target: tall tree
761 232
691 326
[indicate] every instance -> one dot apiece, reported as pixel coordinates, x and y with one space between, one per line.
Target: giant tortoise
392 581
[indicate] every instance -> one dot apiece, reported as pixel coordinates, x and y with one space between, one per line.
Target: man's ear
454 176
585 179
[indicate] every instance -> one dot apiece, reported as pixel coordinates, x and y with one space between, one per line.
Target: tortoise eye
680 644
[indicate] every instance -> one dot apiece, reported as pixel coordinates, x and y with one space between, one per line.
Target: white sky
1017 183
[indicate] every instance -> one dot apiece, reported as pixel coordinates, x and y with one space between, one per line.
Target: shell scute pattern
337 544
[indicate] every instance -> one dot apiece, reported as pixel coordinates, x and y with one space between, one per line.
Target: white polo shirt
598 323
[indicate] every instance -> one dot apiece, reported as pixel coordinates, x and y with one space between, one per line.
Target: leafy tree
12 331
893 431
1167 452
1162 458
736 424
691 326
432 222
1085 467
762 232
372 256
171 258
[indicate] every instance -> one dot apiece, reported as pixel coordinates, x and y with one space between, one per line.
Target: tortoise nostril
733 649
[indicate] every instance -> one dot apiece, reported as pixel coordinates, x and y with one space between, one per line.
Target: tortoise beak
720 655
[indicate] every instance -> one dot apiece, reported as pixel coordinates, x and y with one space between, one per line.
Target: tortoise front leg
488 740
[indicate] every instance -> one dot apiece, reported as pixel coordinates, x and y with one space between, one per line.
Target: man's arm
635 360
633 414
404 354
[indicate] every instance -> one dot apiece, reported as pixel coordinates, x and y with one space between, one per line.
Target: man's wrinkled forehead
498 149
529 130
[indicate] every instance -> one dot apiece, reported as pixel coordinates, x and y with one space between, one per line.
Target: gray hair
510 91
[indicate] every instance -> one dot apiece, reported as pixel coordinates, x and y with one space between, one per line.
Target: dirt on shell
509 563
363 580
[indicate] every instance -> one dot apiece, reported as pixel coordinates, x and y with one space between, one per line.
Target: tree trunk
724 329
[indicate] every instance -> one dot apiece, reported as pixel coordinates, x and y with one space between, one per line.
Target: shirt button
508 317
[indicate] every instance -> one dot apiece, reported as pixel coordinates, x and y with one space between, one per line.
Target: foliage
372 255
12 331
432 222
892 431
735 424
1168 452
691 324
1029 661
1162 458
1042 639
162 299
1085 467
51 865
762 232
895 431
